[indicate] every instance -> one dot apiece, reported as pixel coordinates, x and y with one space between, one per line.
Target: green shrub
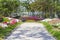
5 19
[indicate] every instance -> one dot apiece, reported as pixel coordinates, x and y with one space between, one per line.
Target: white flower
3 25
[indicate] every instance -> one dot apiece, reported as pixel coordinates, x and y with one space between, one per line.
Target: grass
55 33
30 21
6 31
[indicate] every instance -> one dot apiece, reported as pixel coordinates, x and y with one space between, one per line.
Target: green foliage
41 5
5 19
8 6
26 5
45 6
57 35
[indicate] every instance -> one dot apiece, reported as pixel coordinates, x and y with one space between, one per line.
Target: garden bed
7 25
6 31
55 23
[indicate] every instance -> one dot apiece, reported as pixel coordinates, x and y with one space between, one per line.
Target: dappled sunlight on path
30 31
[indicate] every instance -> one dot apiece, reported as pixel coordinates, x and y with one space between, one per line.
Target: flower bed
8 21
32 18
6 31
7 25
55 22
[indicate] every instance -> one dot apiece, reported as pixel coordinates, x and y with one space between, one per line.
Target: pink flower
5 23
13 21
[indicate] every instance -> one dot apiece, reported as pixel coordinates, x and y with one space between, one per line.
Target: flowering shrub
12 22
8 21
7 25
32 18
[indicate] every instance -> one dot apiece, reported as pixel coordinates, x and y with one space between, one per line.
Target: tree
26 4
46 6
9 6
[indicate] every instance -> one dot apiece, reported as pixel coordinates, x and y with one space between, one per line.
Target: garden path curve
30 31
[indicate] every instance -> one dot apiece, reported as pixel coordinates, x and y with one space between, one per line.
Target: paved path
30 31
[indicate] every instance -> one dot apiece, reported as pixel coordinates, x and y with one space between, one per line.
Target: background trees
48 7
8 6
26 4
